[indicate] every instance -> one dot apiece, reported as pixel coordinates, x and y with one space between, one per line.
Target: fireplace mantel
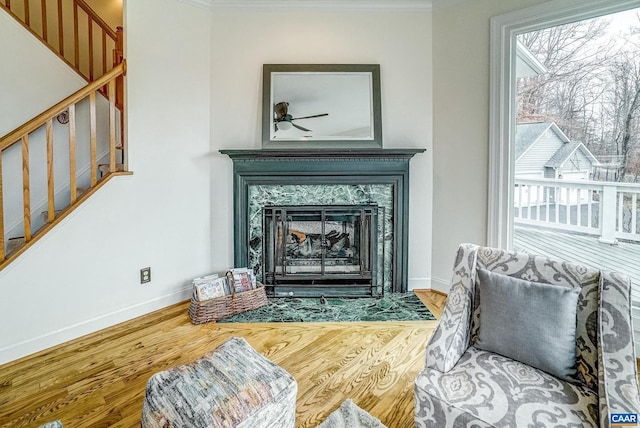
322 154
325 167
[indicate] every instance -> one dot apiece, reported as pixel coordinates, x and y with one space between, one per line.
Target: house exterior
542 150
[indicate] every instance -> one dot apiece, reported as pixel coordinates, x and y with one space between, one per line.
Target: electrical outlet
145 275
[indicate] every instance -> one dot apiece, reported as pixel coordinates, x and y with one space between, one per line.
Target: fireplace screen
320 251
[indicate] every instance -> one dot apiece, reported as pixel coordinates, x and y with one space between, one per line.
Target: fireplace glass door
327 250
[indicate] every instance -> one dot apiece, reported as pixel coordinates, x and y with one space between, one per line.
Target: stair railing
45 121
89 36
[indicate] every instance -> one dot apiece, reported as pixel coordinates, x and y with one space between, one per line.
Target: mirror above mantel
310 106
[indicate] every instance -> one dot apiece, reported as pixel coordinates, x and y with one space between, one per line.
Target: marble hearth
316 178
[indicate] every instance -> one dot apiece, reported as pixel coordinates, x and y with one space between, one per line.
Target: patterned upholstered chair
468 382
231 386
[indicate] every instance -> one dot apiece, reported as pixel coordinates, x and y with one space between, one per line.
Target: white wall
109 10
84 275
193 88
461 126
400 42
32 78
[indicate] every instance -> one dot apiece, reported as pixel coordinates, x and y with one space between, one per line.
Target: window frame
502 109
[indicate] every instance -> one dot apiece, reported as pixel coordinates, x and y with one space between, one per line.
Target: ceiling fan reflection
282 120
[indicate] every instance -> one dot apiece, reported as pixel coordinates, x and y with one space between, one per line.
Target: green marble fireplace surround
328 177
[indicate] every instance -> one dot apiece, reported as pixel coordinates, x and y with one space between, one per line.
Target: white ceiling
381 5
399 5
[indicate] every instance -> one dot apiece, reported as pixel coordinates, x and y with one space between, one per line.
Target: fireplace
290 205
327 250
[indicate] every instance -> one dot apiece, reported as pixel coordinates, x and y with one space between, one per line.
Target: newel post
608 213
118 56
118 53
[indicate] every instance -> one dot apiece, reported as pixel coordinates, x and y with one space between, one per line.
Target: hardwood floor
433 299
99 380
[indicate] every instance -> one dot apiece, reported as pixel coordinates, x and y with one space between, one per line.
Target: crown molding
278 5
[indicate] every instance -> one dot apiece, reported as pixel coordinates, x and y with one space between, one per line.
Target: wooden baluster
118 55
607 212
92 142
122 133
2 252
27 18
569 192
50 173
72 153
578 207
8 4
76 42
539 190
118 52
26 188
589 209
634 213
556 200
90 27
547 199
112 125
60 29
104 52
620 222
120 94
44 20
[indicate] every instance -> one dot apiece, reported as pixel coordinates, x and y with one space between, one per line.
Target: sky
621 22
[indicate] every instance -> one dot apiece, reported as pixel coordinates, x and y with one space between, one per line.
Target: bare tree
591 90
573 56
623 104
634 167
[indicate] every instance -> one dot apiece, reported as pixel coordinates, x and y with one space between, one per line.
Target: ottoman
231 386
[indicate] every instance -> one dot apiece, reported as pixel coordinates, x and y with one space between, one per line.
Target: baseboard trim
57 337
440 285
418 283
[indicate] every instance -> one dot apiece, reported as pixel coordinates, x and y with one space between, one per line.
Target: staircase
82 134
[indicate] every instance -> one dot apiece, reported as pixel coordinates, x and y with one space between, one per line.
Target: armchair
477 378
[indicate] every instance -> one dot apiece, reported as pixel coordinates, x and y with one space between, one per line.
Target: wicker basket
226 306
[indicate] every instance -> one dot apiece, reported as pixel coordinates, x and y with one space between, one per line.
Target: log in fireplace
314 251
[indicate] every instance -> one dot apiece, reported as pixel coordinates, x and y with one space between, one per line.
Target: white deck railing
609 210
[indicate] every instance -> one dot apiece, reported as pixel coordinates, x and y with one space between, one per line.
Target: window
504 202
504 29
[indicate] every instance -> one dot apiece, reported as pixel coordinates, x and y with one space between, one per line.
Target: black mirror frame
267 107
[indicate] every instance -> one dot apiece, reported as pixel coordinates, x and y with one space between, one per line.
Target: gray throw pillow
529 322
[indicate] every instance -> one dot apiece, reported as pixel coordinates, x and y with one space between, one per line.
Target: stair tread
14 244
105 167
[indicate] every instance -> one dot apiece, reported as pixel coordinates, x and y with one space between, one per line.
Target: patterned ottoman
231 386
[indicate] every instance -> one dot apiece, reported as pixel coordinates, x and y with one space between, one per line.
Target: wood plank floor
434 300
587 250
99 380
